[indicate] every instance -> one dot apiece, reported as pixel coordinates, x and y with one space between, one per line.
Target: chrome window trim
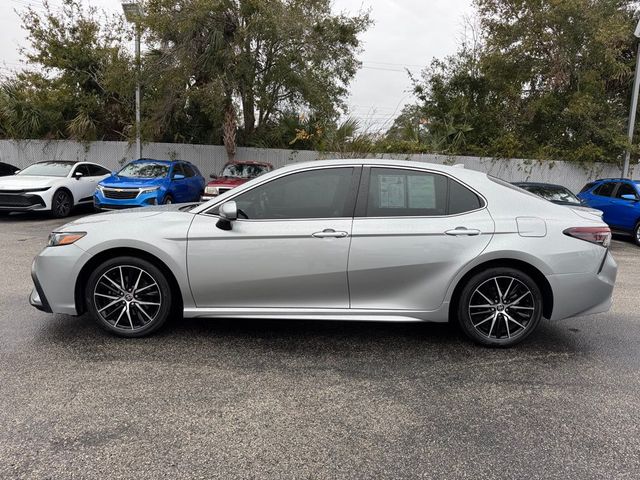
356 165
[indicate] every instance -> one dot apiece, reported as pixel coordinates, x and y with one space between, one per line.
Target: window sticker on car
422 191
392 190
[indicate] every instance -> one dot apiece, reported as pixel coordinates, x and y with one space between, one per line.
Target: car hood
24 182
115 181
227 182
132 215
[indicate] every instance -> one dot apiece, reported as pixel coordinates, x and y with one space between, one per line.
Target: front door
413 232
289 248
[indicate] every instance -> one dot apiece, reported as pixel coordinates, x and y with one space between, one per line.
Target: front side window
605 190
48 169
402 193
145 170
322 193
626 189
178 170
97 170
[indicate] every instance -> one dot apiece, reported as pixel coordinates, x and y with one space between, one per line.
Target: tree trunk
229 130
248 112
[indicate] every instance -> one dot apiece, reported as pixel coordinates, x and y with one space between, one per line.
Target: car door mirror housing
178 176
78 175
228 213
633 198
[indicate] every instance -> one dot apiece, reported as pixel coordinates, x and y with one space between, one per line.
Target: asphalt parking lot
270 399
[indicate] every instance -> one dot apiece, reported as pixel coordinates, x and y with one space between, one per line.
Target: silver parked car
337 240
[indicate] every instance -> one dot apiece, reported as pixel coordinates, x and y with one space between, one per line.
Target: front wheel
636 234
61 204
129 296
500 307
168 200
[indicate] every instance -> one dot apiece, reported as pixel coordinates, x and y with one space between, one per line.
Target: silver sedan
367 240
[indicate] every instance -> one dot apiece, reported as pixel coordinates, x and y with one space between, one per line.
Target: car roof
249 162
154 160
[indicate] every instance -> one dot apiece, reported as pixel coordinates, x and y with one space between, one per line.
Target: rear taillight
598 235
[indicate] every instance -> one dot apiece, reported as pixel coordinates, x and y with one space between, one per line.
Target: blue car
150 182
619 200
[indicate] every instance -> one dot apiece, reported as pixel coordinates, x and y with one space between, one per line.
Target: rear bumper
584 293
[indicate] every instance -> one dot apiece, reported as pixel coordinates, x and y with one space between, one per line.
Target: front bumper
21 202
54 272
584 293
142 200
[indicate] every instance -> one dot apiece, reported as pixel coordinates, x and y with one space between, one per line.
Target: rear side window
406 193
605 190
461 199
587 187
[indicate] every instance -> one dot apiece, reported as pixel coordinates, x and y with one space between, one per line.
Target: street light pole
634 109
138 133
133 13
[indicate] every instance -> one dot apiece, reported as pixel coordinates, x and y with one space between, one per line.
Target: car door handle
463 232
330 233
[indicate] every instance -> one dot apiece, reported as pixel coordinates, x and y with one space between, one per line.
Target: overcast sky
406 34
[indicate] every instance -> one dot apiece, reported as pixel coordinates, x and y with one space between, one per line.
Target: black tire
168 200
492 321
61 204
130 314
636 234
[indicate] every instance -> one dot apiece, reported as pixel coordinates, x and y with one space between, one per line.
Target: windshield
553 194
48 169
242 170
145 170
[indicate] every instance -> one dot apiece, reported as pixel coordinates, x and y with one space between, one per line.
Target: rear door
624 213
413 231
179 186
601 200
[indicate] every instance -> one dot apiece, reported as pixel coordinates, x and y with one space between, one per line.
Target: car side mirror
178 177
633 198
78 175
213 176
228 212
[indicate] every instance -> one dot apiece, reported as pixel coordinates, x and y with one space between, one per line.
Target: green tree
543 79
262 58
77 83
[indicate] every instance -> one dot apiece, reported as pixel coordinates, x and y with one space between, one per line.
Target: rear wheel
636 234
500 307
61 204
129 296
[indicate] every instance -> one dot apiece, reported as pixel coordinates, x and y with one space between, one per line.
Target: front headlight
57 239
211 191
148 190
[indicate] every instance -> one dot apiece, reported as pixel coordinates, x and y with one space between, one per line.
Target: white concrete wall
211 158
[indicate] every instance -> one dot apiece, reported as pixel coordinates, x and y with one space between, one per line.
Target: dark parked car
6 169
554 193
619 199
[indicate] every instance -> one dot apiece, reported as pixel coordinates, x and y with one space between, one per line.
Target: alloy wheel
62 204
127 297
501 307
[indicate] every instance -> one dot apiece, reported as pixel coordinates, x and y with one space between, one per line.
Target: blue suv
619 200
150 182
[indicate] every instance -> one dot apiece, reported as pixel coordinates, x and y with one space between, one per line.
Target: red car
234 174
